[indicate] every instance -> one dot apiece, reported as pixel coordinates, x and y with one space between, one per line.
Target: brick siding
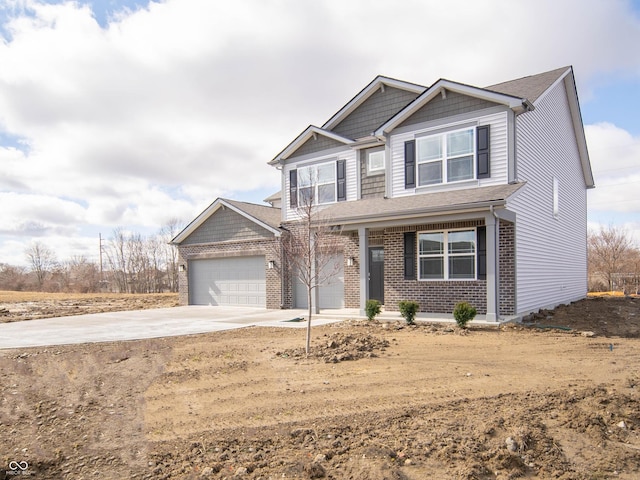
507 268
433 297
438 296
351 273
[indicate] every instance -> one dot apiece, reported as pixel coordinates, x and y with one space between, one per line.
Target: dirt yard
375 401
18 306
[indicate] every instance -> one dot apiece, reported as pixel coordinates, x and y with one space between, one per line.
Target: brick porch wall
507 268
351 273
267 247
433 297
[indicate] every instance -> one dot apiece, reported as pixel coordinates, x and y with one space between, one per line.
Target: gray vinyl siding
350 156
439 107
225 225
499 152
551 260
373 112
314 145
370 185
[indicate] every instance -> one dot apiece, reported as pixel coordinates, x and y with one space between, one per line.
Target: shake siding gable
441 108
551 257
373 112
226 225
315 145
498 159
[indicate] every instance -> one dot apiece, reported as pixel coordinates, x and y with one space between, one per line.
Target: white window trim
445 256
378 170
443 159
316 184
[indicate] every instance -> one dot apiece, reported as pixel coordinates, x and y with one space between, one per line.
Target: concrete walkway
140 324
170 322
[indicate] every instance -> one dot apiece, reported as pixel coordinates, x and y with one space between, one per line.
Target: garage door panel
331 295
228 281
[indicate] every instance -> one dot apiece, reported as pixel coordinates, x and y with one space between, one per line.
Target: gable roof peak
380 81
264 215
310 131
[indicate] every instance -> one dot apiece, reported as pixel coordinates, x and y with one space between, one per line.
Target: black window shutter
293 188
410 164
482 151
482 252
341 176
410 255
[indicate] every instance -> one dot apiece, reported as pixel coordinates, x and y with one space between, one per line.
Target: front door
376 274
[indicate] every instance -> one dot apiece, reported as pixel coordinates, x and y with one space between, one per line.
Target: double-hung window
447 255
446 157
317 184
375 162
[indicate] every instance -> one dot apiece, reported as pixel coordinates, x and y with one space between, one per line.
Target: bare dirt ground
18 306
374 401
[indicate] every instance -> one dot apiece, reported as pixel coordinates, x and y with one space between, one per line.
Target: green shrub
408 309
464 313
372 308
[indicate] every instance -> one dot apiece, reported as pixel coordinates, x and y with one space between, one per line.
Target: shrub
408 309
372 308
464 313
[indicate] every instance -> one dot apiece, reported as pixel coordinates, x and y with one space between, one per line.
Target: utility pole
101 277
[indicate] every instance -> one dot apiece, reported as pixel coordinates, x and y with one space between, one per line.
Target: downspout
282 274
497 257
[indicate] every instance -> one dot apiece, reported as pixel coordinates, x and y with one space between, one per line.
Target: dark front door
376 274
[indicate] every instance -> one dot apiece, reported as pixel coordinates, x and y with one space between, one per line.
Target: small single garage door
228 281
331 295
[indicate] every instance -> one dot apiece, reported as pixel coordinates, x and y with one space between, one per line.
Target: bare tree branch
310 247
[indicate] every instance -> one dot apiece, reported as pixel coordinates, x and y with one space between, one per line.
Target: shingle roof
265 213
372 209
530 87
274 196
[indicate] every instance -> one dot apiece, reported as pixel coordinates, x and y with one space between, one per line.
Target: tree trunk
308 342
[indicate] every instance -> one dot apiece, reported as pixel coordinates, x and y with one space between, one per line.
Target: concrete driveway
161 322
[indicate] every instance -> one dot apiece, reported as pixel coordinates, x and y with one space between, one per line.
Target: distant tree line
132 263
613 261
129 263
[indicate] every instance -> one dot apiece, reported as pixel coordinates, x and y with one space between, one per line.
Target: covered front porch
382 262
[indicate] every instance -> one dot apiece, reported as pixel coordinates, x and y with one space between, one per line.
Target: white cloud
175 104
615 157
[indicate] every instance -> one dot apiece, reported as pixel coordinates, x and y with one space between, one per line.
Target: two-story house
440 194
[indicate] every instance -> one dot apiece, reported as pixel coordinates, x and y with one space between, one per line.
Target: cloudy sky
125 113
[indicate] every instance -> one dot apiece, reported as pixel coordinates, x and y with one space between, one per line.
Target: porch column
492 269
363 259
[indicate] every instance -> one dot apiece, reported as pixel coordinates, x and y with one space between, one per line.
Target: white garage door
331 295
228 281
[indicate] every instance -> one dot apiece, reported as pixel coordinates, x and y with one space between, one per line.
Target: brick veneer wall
267 247
351 273
433 297
507 268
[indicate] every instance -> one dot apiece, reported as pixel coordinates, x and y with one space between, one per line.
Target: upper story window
447 255
317 184
375 162
446 157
